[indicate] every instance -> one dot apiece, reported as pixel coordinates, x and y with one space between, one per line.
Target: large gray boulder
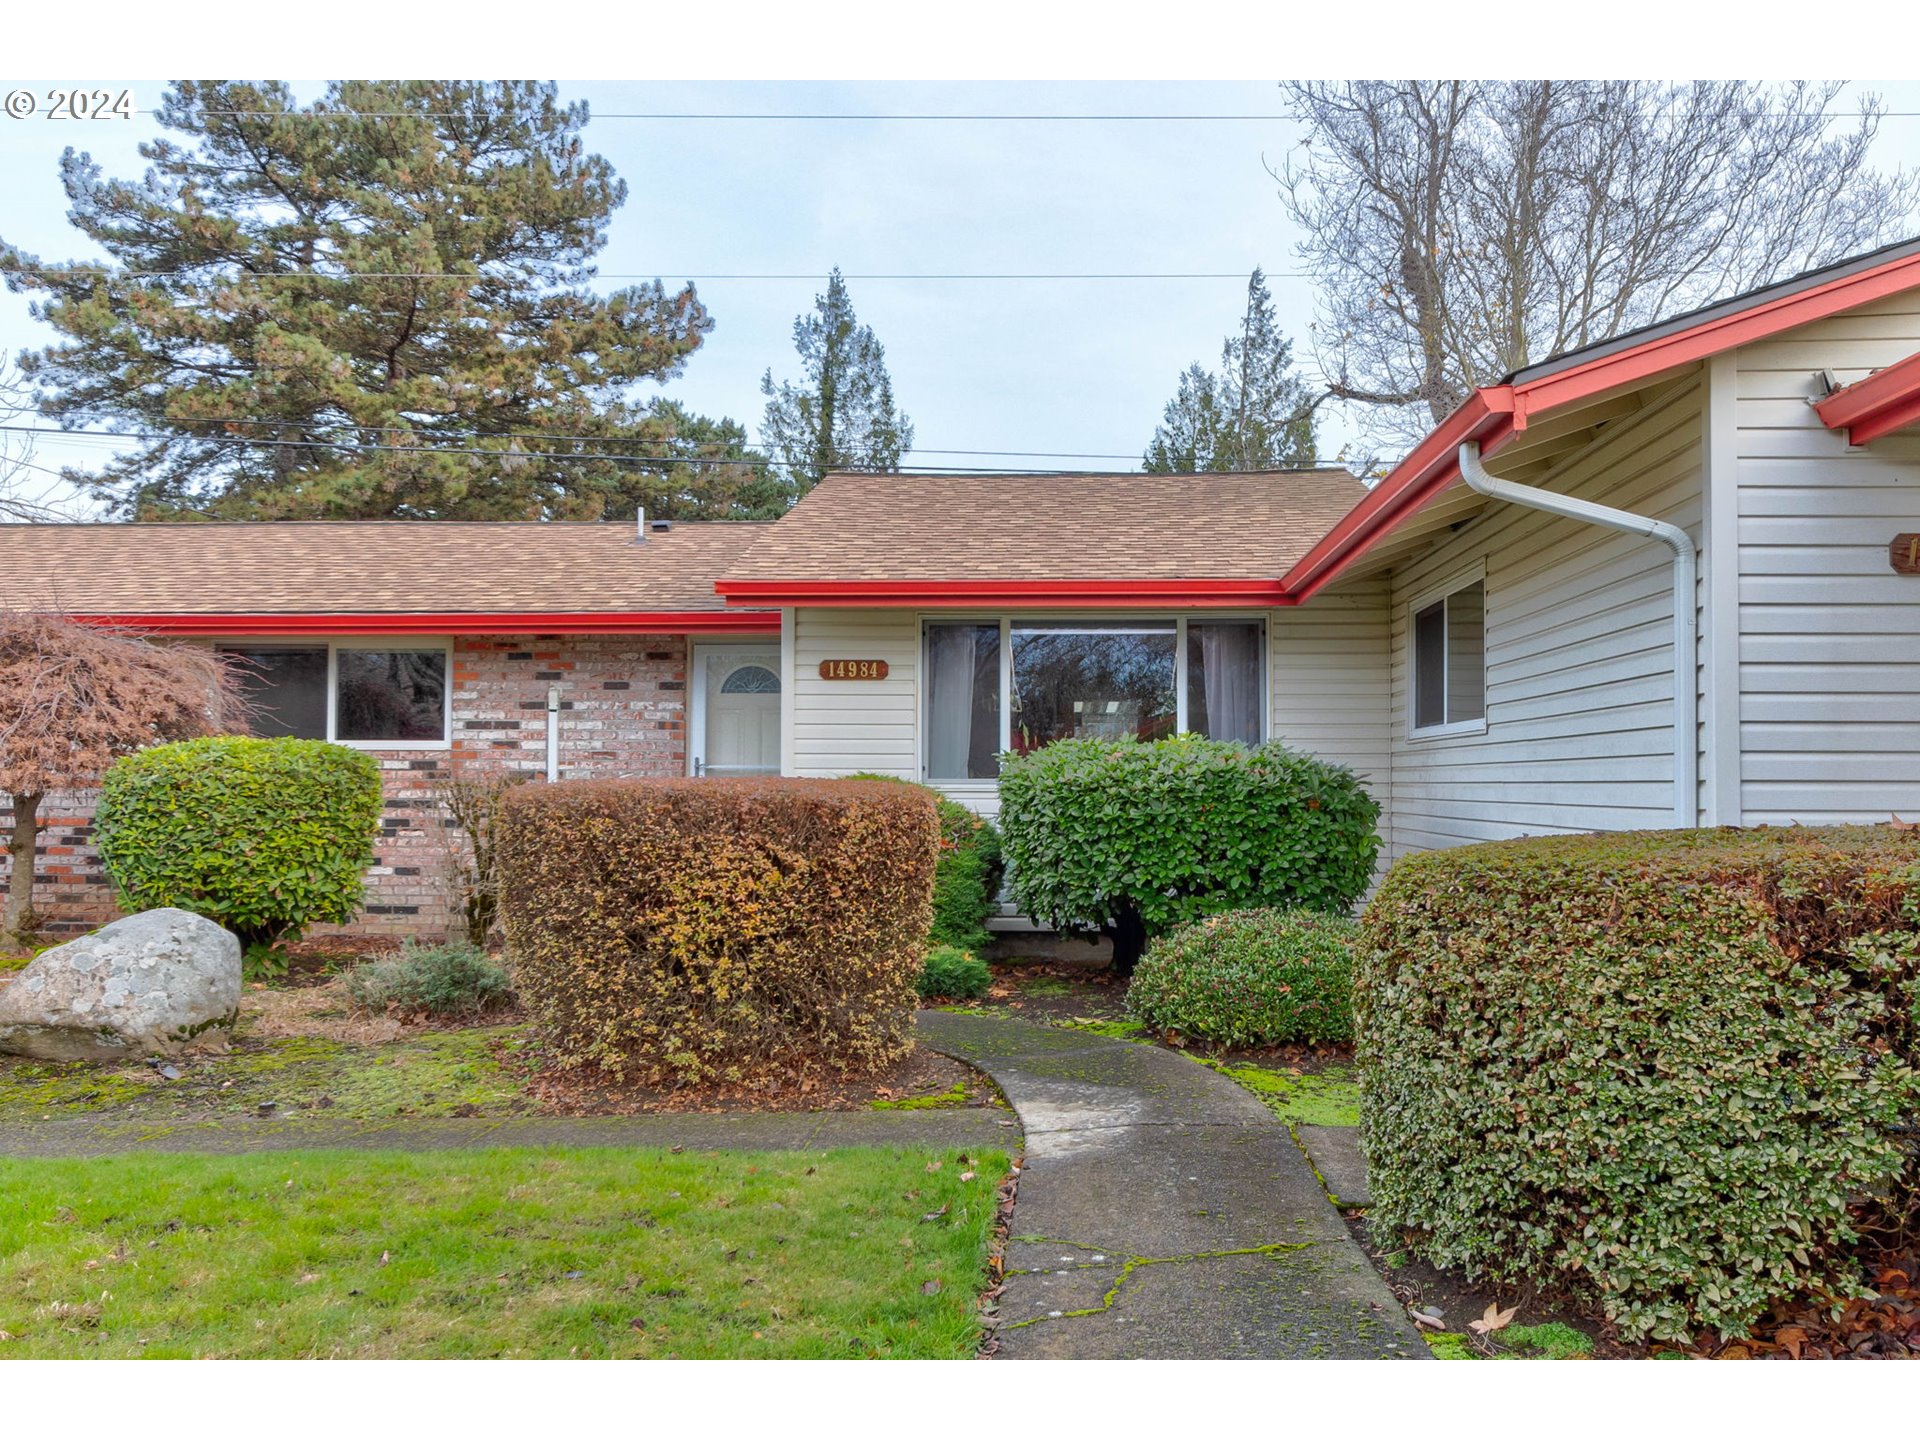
158 981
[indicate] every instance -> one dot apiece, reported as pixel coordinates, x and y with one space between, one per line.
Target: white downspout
1686 635
553 732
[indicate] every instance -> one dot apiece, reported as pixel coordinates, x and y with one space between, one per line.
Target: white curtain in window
1230 675
950 672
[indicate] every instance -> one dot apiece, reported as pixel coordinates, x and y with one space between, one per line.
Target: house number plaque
1904 552
853 669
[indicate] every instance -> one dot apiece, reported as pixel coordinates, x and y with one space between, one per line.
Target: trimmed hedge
1654 1067
1249 978
684 931
1137 838
950 973
264 836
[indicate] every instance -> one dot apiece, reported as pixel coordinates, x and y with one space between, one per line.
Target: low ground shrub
445 981
1655 1068
265 837
1250 977
679 931
966 881
953 974
1137 839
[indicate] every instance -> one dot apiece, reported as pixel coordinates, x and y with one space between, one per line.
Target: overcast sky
1077 366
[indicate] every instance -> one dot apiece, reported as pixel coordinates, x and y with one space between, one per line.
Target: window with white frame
372 694
1450 659
1020 684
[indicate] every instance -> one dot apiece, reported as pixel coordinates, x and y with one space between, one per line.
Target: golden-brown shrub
681 931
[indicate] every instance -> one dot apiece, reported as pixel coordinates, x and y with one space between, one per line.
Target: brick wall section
623 712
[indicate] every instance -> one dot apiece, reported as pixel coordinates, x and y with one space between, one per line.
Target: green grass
1331 1097
438 1072
496 1253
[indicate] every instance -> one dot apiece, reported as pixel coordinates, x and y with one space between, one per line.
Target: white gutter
1686 635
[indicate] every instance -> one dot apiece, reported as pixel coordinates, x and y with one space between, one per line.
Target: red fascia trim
954 594
650 622
1488 416
1712 337
1494 415
1885 401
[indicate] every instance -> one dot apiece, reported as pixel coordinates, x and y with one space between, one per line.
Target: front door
736 711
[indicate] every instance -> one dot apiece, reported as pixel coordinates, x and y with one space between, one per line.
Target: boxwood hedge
1655 1067
1137 838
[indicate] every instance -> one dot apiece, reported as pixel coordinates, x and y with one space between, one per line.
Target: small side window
1450 659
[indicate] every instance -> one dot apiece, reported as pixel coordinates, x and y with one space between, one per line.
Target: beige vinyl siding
1829 636
1579 652
1329 671
843 726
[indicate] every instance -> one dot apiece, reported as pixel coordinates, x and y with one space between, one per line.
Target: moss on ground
1447 1345
1551 1341
1110 1029
944 1100
437 1073
1331 1097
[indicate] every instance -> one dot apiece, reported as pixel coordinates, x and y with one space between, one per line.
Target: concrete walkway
1164 1212
934 1129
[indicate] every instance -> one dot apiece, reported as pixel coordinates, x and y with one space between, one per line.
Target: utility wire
150 437
248 275
622 440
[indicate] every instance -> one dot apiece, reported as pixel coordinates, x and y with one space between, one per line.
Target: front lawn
497 1253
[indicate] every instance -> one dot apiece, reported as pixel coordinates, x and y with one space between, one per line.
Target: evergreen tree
1255 414
708 470
399 264
841 415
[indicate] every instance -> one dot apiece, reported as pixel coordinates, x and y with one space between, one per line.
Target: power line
970 116
624 440
249 275
151 437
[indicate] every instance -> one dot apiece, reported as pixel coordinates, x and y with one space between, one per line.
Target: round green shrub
953 974
1657 1068
1250 977
264 837
1139 838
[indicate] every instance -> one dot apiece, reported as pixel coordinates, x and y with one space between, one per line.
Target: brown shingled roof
1246 526
365 567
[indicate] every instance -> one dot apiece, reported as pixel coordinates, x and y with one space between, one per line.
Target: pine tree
401 265
841 415
1255 414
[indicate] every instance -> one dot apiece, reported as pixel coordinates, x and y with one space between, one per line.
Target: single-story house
1669 579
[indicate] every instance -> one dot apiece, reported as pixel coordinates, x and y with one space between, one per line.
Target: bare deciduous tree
73 699
470 793
1461 230
20 497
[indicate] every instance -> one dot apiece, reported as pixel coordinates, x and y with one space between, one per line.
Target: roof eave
1886 401
530 622
1198 593
1493 415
